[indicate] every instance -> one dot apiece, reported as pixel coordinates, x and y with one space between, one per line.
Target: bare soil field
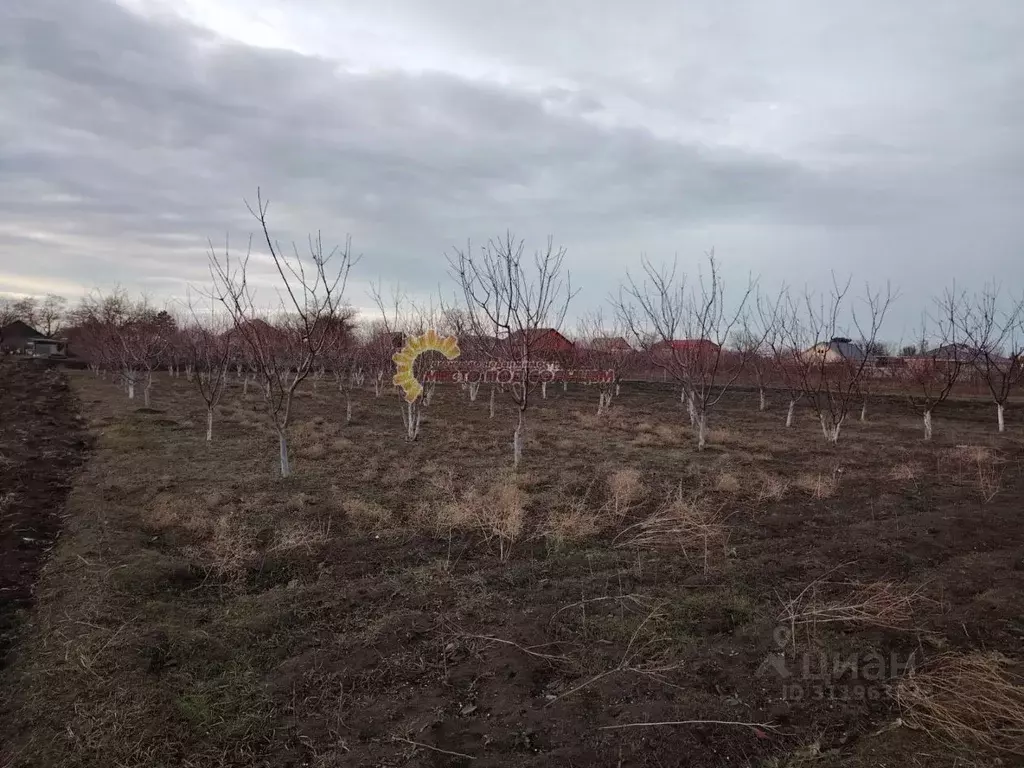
417 604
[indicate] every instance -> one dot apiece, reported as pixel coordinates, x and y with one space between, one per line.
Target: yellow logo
414 347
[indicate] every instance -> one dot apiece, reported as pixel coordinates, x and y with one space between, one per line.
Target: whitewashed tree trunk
1000 414
544 390
617 388
348 409
209 424
282 440
146 388
474 390
600 402
378 384
565 385
691 408
428 393
129 382
517 443
789 413
245 385
761 399
864 410
411 417
492 404
702 429
188 372
927 425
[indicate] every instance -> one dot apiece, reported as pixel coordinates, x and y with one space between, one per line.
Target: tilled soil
41 445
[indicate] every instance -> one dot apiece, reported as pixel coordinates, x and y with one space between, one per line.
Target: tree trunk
474 390
145 389
927 425
130 385
617 389
543 390
864 410
702 429
492 403
348 409
378 384
600 402
517 443
565 385
282 439
789 412
1000 413
691 408
760 403
209 424
245 385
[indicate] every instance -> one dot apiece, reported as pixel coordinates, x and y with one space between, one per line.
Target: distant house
836 350
610 344
19 338
542 341
963 353
686 346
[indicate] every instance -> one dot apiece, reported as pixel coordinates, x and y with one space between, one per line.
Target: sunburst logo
414 347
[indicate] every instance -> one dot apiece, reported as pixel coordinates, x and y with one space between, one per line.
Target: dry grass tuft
306 536
230 550
727 482
905 472
961 700
499 513
819 486
876 604
695 526
772 488
576 520
625 488
367 514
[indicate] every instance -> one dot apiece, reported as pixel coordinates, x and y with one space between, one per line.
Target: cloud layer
881 140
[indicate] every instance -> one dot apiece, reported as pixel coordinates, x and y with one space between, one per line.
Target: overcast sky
879 139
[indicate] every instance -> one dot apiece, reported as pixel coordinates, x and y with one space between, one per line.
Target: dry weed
298 535
727 482
625 487
367 514
966 700
231 548
695 526
499 513
819 486
772 488
575 520
905 472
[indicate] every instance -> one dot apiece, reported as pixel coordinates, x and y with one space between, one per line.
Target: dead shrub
169 512
313 452
772 488
877 604
499 513
231 548
575 520
970 699
694 526
625 488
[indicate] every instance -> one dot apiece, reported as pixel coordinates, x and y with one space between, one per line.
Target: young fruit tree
207 349
310 300
929 376
995 330
604 348
684 328
513 304
827 364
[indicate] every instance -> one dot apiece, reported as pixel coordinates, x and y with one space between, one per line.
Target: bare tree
996 336
310 298
663 307
207 348
827 364
602 346
513 301
51 313
929 378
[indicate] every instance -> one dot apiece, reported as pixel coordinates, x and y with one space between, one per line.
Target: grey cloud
152 131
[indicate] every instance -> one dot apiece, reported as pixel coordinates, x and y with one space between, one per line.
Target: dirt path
41 445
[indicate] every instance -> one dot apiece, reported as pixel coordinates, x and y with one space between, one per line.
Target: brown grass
499 512
625 488
694 526
772 488
818 486
968 700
